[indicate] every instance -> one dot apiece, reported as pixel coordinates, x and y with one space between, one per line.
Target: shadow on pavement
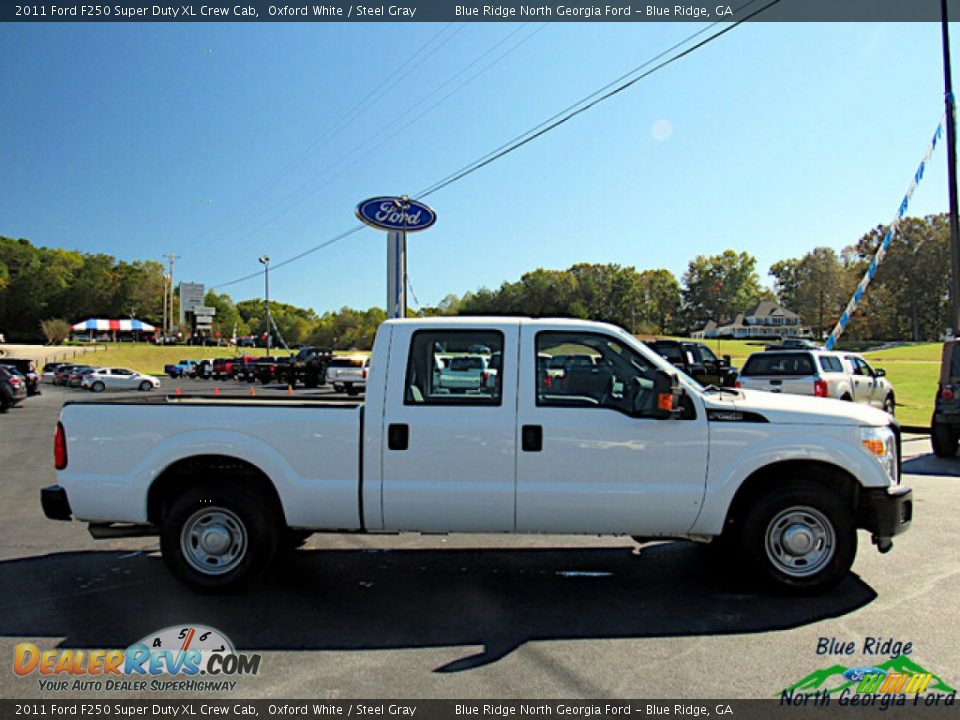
932 465
379 599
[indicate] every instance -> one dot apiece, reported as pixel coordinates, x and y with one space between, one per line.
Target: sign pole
951 173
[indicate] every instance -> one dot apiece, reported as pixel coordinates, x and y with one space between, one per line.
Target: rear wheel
944 440
219 537
889 405
146 386
800 539
98 386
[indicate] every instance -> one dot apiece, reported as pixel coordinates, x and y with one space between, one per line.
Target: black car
28 370
13 389
945 423
698 361
794 344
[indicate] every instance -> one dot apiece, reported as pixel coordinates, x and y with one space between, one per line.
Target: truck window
774 363
828 363
596 371
443 369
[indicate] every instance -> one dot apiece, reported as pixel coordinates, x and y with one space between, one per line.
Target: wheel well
188 472
789 472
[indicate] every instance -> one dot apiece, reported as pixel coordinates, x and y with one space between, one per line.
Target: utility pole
265 260
951 173
168 329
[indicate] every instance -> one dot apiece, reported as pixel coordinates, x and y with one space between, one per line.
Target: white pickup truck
622 446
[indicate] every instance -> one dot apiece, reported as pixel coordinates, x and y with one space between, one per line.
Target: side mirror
726 360
666 396
879 372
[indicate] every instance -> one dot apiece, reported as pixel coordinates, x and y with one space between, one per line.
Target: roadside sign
396 214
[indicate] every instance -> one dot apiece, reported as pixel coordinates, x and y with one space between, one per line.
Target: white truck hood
799 409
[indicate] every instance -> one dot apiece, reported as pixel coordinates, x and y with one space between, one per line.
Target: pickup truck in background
184 368
698 361
348 374
622 445
821 373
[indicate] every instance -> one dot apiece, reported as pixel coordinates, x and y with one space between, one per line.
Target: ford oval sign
396 213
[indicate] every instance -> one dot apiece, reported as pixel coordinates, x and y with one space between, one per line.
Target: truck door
449 447
861 381
588 460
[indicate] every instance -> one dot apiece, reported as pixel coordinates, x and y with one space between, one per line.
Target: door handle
398 436
531 438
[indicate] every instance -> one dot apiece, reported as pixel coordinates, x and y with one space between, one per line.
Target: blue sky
221 142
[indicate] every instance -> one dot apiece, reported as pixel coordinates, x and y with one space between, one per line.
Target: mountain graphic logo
837 678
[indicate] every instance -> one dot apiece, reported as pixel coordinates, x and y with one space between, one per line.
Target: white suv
821 373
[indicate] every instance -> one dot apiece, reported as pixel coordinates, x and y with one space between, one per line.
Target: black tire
255 530
352 391
943 438
798 508
97 387
312 378
889 404
846 398
146 386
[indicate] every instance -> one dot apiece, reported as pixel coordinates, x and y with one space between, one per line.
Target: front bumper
54 501
886 512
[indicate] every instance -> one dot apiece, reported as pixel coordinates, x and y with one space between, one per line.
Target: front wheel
800 540
944 440
146 386
218 537
97 387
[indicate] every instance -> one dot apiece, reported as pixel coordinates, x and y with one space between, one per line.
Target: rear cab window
778 363
831 364
444 368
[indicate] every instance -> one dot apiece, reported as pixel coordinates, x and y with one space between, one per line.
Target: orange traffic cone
177 392
289 389
216 391
252 391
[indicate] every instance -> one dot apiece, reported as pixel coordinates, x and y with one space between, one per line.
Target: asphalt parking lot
472 616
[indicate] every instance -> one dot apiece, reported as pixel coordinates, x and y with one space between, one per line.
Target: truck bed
309 448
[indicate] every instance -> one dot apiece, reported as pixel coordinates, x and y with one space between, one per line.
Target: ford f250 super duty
622 444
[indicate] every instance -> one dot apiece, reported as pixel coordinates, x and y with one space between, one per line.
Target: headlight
881 443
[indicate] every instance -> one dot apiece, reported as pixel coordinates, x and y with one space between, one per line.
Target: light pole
266 293
951 172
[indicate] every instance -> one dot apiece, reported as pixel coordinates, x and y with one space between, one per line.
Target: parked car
945 423
783 481
49 373
794 344
698 361
13 390
821 373
348 374
76 377
180 369
28 370
119 379
462 373
62 373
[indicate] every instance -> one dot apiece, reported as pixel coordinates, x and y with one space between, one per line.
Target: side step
107 531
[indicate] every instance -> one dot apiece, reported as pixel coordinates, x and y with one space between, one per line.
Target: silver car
119 379
821 373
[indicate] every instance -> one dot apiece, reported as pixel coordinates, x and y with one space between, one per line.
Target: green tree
720 286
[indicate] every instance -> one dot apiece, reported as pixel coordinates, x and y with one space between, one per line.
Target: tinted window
612 376
347 362
440 372
673 353
773 363
828 363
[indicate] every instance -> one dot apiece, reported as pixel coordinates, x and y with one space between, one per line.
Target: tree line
907 300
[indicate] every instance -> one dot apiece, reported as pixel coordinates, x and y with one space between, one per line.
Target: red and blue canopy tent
98 325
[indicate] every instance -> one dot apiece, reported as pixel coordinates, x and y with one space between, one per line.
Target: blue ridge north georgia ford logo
396 213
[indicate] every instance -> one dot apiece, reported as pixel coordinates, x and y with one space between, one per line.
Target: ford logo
857 674
395 213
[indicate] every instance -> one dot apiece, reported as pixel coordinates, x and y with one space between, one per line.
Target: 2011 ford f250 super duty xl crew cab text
618 445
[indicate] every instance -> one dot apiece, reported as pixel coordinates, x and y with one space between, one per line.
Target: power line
307 188
564 116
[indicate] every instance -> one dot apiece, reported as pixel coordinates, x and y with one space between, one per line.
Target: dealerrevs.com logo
188 657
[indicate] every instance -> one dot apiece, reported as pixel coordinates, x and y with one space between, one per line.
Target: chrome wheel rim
800 541
213 541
